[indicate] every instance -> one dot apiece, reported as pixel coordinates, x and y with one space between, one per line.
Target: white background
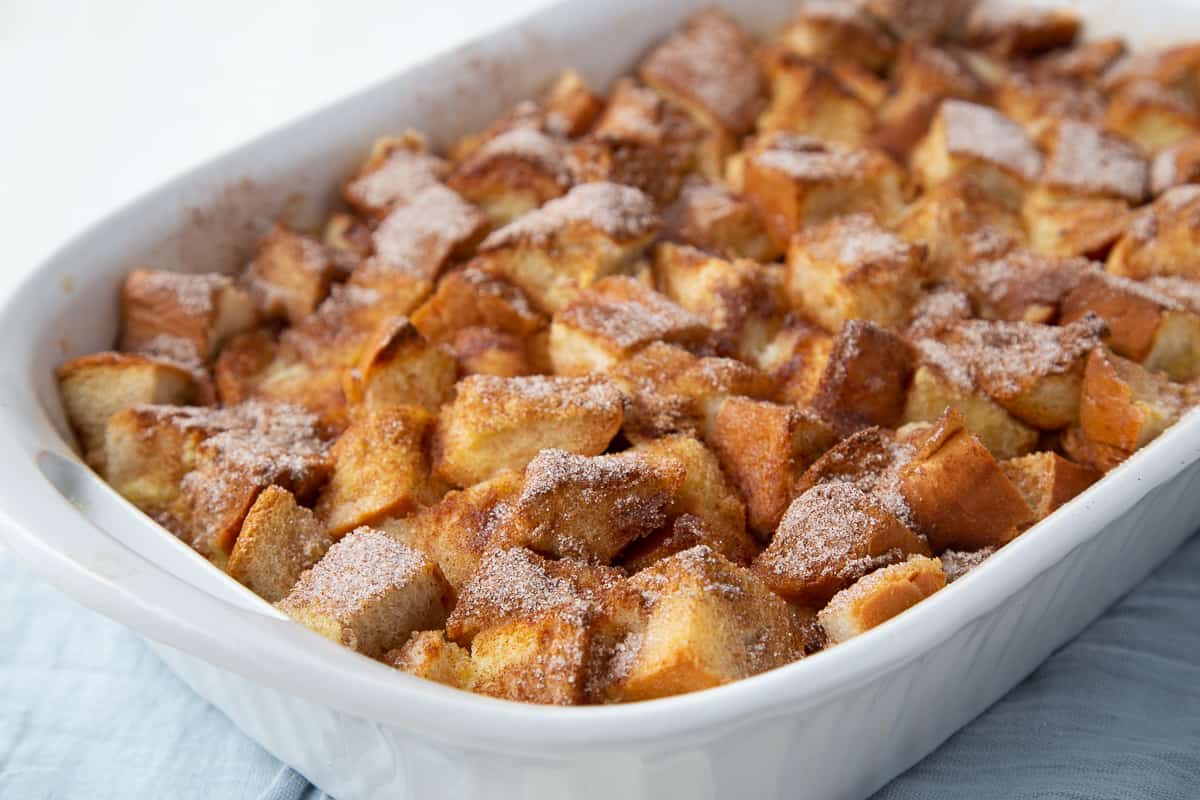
101 101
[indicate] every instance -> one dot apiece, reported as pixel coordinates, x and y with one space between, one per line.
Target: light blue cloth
87 711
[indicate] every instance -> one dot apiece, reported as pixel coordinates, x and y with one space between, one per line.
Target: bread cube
278 541
513 173
289 276
421 236
568 244
1162 239
944 381
1143 325
370 593
1085 160
1010 31
1039 102
923 20
1175 165
614 319
1123 405
870 460
709 216
937 311
831 536
347 240
669 390
381 468
94 387
980 142
428 655
1152 115
708 68
469 298
958 223
764 447
879 596
1086 61
590 507
495 424
958 494
202 309
458 529
1182 290
739 300
796 181
525 114
866 379
1061 224
1034 371
1047 480
398 169
398 367
696 638
852 268
484 351
250 447
705 510
571 106
829 30
808 98
796 358
1022 285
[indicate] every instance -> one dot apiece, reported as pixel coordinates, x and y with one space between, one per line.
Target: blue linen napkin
87 711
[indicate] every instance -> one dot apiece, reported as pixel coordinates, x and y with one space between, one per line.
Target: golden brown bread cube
694 637
937 310
614 319
980 142
852 268
944 381
959 496
764 447
1084 159
1061 224
1175 165
795 181
428 655
496 424
1143 325
879 596
486 351
1152 114
1124 406
865 381
347 240
570 104
958 222
398 367
807 98
568 244
1022 285
831 536
278 541
796 357
870 459
1011 31
380 468
708 68
669 390
470 297
397 170
458 529
370 593
94 387
829 30
1038 102
683 533
589 508
1162 239
420 237
1086 61
740 300
709 216
513 173
705 494
1047 480
250 447
289 276
1034 371
193 312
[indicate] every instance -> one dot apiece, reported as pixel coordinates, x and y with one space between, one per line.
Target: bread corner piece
695 636
428 655
879 596
369 593
278 541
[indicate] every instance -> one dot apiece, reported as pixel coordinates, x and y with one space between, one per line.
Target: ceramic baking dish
838 724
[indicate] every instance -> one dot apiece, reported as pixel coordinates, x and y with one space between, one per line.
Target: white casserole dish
838 724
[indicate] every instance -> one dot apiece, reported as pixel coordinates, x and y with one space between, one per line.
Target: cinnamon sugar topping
982 132
1088 160
360 568
419 237
620 212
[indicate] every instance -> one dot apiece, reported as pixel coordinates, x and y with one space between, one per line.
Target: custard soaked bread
645 388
